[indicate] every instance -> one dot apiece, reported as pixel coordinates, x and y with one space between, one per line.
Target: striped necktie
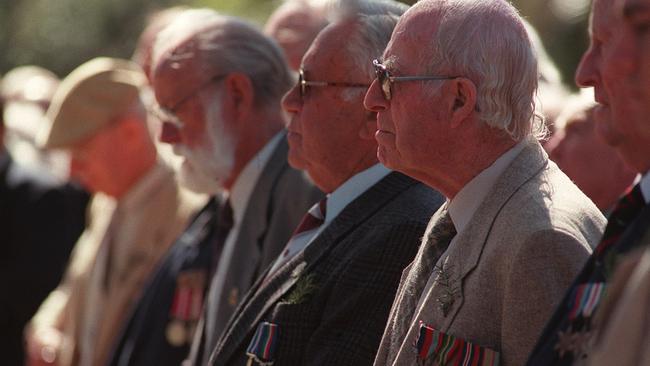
626 210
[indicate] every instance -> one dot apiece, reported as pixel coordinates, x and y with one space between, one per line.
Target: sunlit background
61 34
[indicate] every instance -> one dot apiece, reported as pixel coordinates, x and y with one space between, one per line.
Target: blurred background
61 34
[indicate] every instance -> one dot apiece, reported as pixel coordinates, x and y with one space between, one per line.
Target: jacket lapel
267 292
247 248
463 256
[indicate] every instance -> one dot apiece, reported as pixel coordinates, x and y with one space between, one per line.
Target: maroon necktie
626 210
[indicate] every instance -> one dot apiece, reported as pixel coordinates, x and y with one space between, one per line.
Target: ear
239 96
369 126
464 103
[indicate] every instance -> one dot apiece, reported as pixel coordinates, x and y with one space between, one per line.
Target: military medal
261 350
450 350
186 307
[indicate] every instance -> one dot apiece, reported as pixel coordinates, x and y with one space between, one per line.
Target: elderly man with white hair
326 299
218 82
454 102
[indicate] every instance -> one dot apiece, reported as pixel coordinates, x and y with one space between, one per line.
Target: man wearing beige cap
137 211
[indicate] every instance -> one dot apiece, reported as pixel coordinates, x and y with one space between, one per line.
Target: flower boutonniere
304 287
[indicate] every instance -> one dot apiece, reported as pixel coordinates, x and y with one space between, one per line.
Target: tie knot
313 218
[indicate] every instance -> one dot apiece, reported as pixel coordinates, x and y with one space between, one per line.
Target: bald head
294 25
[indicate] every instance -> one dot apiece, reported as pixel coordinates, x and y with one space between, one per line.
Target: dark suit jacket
40 220
599 268
331 300
279 200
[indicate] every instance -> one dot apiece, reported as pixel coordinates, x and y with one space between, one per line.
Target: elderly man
218 82
594 166
326 298
454 97
40 220
136 212
617 66
294 25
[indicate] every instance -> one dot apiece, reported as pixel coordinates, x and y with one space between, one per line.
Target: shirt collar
645 187
353 188
466 202
246 181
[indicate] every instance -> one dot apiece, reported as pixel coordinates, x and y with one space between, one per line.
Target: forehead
411 37
177 73
326 56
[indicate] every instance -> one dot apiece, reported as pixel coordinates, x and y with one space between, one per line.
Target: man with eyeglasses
454 103
326 299
218 82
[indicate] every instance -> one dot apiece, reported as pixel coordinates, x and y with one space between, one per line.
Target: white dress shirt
336 202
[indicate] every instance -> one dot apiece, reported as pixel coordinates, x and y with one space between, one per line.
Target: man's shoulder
551 201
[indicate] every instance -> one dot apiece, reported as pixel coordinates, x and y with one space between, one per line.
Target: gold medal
176 333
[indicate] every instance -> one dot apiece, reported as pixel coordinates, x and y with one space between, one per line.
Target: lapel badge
186 307
262 348
575 343
449 288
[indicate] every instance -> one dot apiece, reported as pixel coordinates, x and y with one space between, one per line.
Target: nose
374 100
169 133
587 72
292 102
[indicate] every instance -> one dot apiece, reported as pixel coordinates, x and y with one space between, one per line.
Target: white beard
206 166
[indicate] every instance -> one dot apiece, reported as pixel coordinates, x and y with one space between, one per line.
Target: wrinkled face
411 126
94 160
324 131
193 125
614 65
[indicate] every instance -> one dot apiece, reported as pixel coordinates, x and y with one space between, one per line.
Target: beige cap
92 96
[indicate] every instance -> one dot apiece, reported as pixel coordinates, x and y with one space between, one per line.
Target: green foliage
61 34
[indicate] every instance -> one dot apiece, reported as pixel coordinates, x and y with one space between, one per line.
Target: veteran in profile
454 102
326 299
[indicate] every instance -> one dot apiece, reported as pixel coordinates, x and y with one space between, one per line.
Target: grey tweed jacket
506 271
331 301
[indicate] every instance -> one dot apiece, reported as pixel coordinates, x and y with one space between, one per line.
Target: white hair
227 44
485 41
374 20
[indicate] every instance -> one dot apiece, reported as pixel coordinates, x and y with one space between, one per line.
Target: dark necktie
312 220
222 228
626 210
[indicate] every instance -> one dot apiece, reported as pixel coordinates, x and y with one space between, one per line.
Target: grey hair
225 44
374 20
486 41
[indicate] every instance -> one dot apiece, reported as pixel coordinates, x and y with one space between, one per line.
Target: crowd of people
360 182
